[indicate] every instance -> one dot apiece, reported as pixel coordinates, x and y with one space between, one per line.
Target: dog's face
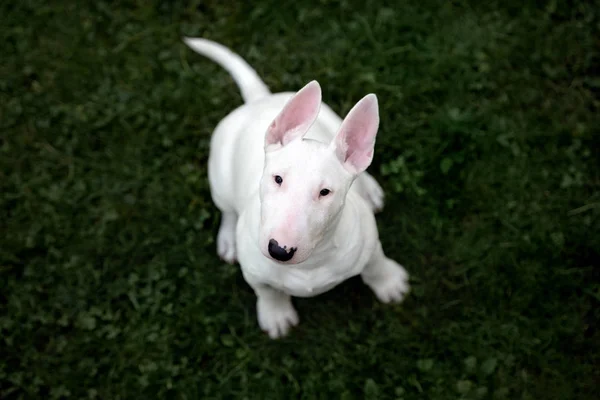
305 182
302 191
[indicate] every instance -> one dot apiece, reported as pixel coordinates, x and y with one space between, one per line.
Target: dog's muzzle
280 253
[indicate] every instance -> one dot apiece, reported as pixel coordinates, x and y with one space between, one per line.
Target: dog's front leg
276 314
387 278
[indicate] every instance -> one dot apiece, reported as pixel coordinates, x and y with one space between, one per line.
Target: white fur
300 139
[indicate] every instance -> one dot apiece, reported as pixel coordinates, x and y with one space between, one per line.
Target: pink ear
296 117
355 140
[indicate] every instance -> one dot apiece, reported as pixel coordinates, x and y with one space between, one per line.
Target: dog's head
305 182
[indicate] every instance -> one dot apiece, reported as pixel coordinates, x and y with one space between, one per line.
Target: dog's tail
250 84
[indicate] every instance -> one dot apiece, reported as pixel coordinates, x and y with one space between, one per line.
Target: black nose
280 253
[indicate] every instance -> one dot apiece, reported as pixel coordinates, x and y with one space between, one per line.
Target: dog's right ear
297 116
355 141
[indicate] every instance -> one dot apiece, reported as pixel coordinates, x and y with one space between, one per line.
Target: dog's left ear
297 116
355 141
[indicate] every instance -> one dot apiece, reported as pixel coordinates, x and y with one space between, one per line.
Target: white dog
297 207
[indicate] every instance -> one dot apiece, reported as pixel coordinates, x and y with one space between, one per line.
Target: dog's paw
276 318
372 192
392 286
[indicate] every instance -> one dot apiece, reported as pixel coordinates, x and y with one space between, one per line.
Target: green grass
488 150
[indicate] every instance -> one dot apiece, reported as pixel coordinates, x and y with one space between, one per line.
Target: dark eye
324 192
278 180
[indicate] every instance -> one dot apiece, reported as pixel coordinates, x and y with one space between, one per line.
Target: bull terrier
297 207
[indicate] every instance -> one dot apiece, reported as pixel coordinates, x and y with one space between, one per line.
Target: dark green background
488 151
